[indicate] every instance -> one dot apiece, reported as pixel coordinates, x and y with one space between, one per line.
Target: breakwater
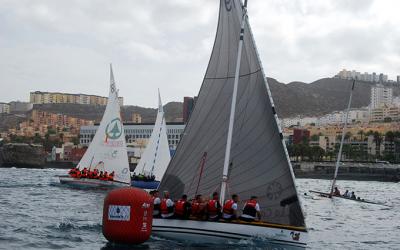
348 171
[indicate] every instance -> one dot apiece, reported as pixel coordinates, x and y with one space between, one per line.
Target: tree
316 153
361 134
378 141
314 138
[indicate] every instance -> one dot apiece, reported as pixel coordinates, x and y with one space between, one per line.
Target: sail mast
342 140
233 108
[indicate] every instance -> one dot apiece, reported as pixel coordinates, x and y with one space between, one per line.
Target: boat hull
146 184
89 183
223 232
327 195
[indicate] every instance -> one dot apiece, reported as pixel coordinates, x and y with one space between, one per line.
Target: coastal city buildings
39 97
136 118
383 108
367 77
4 107
380 96
138 133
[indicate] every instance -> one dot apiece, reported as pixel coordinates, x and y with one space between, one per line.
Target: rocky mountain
320 97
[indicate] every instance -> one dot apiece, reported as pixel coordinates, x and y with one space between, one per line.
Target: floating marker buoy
127 216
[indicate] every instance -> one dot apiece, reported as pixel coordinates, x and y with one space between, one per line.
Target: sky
67 45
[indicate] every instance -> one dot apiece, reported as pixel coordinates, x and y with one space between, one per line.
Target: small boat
233 143
327 195
331 194
107 151
155 159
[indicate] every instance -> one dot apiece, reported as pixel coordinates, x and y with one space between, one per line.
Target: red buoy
127 216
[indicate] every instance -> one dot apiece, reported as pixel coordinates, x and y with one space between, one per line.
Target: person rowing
336 192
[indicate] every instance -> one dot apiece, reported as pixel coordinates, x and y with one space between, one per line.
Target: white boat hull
90 183
223 232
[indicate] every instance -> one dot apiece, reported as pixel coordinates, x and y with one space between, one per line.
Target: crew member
74 172
95 174
167 207
230 208
182 208
336 192
105 176
197 208
214 208
156 204
84 173
251 210
111 176
346 194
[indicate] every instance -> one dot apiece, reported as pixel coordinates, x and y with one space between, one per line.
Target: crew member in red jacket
213 209
230 208
182 208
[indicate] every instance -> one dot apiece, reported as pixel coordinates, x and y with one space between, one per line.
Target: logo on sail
114 129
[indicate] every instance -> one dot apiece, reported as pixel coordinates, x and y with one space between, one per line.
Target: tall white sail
156 156
107 151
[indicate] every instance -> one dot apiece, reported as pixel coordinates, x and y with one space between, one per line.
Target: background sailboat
156 156
107 151
258 164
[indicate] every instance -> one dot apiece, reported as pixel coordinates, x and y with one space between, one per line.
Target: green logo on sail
114 129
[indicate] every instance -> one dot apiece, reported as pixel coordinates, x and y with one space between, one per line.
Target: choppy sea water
38 213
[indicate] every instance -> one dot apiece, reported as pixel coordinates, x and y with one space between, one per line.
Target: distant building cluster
42 123
383 108
39 97
4 108
374 77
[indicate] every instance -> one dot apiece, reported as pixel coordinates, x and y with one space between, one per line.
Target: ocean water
38 213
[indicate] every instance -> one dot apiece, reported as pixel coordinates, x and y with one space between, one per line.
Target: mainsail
259 163
156 156
107 151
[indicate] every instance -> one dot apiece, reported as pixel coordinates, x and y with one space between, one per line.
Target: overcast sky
66 46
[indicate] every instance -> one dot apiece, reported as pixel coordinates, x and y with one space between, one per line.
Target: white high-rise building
381 95
4 107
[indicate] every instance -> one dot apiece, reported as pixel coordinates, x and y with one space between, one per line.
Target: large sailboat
155 159
233 144
107 151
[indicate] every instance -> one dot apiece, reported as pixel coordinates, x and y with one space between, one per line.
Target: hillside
319 97
173 111
296 98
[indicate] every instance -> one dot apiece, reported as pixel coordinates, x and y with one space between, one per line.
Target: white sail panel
107 151
156 156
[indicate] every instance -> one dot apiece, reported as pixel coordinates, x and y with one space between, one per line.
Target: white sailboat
107 151
156 156
233 143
